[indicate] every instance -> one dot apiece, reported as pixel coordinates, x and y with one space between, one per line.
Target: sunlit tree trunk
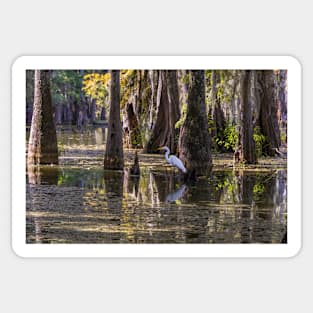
269 114
114 158
42 147
194 136
234 104
248 152
153 80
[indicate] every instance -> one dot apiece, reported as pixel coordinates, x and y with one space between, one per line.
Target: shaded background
162 27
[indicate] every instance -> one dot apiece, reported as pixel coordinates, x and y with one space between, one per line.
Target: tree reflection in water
77 205
38 176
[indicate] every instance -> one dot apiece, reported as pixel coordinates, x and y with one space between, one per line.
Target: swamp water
79 202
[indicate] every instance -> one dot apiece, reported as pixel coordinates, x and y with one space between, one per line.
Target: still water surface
79 202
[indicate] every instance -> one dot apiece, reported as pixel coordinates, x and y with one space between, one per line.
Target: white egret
173 160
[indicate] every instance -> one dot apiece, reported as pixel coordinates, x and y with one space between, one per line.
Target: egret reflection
82 205
176 195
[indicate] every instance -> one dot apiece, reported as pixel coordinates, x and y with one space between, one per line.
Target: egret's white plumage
174 160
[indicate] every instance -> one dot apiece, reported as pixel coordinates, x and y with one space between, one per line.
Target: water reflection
176 195
88 137
99 135
113 184
80 205
43 175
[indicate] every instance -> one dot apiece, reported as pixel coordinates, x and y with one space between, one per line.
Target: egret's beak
161 148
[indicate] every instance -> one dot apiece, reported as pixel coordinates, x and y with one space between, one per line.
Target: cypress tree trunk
167 103
248 152
153 80
212 109
42 146
282 98
218 117
195 150
173 101
269 114
134 140
183 86
114 158
282 105
30 84
160 128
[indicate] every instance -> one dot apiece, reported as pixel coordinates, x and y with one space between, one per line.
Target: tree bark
132 131
167 99
153 77
269 114
173 101
248 152
218 117
194 137
29 95
282 97
114 158
103 114
183 86
42 147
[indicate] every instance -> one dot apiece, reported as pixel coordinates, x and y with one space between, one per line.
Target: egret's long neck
167 153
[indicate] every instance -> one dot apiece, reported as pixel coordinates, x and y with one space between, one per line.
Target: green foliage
283 136
231 136
228 139
128 83
186 79
136 139
225 184
258 190
96 86
224 86
66 86
259 140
